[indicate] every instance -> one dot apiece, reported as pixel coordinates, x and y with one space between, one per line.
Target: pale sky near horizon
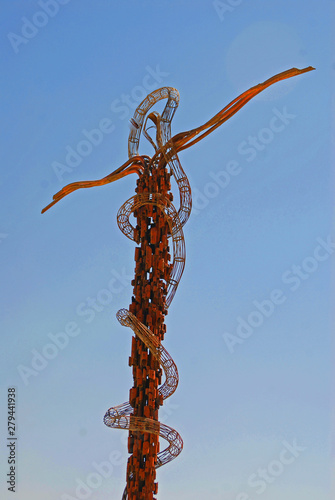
250 324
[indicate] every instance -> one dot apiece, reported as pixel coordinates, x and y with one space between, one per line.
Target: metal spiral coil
166 149
121 416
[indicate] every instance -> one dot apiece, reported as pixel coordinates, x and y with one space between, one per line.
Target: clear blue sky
255 375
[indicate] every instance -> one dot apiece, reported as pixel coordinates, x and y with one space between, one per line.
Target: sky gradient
250 325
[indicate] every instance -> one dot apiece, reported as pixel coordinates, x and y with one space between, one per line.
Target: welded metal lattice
156 279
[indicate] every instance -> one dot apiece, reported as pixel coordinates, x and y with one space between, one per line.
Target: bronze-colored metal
156 277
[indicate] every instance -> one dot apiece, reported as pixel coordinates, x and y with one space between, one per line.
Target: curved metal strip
172 217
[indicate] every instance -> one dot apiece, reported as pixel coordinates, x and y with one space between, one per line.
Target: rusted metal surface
157 275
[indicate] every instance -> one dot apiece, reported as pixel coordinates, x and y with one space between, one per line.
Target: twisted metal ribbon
121 416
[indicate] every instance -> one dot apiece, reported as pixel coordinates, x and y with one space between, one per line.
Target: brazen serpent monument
156 275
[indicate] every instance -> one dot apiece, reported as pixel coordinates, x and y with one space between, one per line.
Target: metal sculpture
156 278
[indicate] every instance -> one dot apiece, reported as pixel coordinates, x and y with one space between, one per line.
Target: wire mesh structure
157 275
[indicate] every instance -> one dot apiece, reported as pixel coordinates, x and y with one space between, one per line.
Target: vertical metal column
152 271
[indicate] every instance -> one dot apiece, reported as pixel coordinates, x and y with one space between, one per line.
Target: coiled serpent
121 416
